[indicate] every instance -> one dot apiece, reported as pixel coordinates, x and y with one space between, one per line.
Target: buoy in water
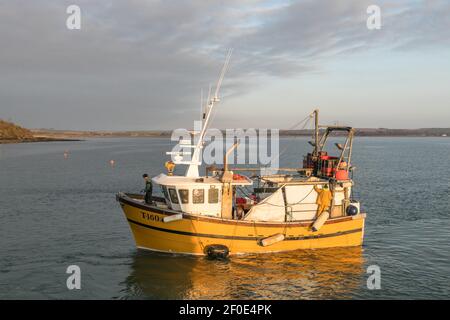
66 154
217 251
112 163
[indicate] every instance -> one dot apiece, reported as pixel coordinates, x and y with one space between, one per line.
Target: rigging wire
306 122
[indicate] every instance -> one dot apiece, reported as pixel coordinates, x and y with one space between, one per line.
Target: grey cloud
141 64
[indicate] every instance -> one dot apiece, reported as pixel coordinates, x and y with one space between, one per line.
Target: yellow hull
193 234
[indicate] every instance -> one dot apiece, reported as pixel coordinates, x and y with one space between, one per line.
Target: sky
141 65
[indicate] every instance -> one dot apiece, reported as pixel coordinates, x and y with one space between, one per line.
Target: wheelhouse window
198 196
213 195
184 195
164 191
173 196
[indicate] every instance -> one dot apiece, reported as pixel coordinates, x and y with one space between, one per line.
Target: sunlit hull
193 234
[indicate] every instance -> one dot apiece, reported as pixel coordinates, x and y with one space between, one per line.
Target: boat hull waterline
193 234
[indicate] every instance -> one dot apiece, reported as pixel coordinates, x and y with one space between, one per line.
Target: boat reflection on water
304 274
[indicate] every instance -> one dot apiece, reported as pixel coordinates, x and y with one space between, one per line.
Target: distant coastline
38 139
12 133
362 132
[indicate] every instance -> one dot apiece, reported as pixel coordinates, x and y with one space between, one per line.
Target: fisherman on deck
148 189
323 199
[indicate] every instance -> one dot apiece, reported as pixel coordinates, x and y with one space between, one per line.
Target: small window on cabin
164 191
213 195
198 196
184 195
173 196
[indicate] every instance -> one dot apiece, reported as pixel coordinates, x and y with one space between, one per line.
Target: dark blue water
56 212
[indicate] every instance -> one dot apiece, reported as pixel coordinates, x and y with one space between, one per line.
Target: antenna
201 103
195 162
209 93
207 107
222 74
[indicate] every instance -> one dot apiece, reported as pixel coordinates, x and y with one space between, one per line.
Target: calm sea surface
56 212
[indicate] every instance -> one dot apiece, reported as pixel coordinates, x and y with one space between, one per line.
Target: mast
316 132
192 170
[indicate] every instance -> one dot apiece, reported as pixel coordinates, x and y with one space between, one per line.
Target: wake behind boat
297 208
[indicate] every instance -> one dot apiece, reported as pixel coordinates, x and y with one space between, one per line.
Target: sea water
58 211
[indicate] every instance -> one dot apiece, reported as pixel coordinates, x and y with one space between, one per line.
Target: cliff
11 132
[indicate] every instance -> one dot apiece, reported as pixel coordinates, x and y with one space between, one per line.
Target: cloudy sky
140 65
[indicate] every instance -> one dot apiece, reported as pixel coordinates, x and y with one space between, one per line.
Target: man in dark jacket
148 189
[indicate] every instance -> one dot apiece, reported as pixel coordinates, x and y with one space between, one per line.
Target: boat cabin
200 196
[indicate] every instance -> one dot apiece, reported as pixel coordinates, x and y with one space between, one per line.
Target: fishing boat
203 214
